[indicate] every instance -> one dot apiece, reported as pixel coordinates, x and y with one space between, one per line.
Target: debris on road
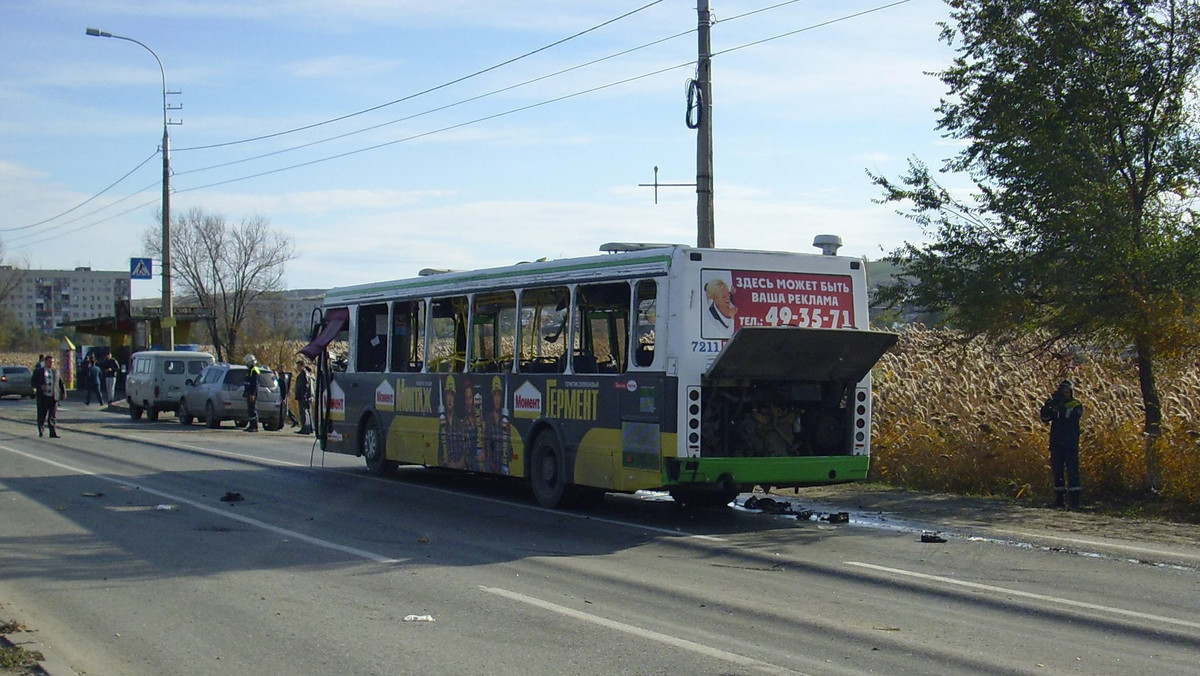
931 536
419 618
231 496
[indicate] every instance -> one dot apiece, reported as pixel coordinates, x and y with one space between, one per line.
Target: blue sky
461 176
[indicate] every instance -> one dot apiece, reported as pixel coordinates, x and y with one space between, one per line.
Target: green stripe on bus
789 471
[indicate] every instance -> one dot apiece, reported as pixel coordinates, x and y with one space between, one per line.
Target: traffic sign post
141 268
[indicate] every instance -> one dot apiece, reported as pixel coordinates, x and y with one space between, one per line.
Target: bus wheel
547 474
370 446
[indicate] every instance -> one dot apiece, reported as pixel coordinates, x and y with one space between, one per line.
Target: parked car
216 395
157 378
15 380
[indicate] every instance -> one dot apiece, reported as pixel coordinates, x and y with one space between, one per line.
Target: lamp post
168 306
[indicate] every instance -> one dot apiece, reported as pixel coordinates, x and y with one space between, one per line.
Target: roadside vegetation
963 418
13 658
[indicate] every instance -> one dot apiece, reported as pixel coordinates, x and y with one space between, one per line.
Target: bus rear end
774 361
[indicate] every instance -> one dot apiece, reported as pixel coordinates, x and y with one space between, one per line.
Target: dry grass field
965 421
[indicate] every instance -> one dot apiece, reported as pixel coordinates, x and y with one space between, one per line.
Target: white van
157 377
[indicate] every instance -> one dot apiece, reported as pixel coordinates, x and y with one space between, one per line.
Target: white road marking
1028 595
666 639
1103 544
353 551
284 463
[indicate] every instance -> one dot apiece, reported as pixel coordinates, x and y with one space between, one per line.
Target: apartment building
45 299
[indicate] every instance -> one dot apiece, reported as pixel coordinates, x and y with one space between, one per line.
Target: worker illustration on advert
471 425
720 314
450 434
497 434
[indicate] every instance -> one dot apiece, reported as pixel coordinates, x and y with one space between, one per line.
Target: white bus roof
629 260
650 263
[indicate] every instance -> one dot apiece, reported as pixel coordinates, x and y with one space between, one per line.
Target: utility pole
705 236
168 304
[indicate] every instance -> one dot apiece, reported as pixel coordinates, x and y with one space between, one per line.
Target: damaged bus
701 372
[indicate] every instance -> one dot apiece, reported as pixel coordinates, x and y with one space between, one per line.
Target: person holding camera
1064 412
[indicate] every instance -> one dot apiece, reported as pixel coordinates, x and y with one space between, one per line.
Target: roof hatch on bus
767 353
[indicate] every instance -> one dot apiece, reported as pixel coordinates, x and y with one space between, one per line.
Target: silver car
15 380
216 395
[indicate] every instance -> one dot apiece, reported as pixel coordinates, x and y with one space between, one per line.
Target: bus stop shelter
129 333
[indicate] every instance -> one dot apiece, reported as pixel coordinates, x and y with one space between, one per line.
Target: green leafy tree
225 268
1079 129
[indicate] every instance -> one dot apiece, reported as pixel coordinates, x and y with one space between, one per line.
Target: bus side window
493 330
448 335
543 318
645 324
372 339
408 336
602 336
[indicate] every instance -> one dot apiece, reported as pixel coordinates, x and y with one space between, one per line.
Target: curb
50 664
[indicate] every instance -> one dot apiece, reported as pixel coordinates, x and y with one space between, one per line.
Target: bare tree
12 275
225 268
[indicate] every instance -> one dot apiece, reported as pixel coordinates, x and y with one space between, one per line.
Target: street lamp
168 305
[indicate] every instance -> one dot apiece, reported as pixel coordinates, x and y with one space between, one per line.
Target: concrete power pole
705 236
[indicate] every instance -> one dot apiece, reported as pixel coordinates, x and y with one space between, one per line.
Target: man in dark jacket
1064 412
92 382
50 390
303 393
109 368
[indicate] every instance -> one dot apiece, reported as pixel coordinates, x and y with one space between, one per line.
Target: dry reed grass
965 420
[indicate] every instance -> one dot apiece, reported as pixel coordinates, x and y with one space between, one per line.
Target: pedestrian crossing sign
140 268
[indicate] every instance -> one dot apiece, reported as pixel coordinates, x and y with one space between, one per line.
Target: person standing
91 382
303 393
50 390
109 368
250 392
1064 413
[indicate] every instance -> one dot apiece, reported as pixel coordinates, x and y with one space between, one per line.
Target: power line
64 213
686 64
362 112
82 227
812 27
512 111
441 108
426 91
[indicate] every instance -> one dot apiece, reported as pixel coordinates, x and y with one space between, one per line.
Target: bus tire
372 449
547 470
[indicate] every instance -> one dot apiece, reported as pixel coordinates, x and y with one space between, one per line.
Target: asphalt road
117 549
